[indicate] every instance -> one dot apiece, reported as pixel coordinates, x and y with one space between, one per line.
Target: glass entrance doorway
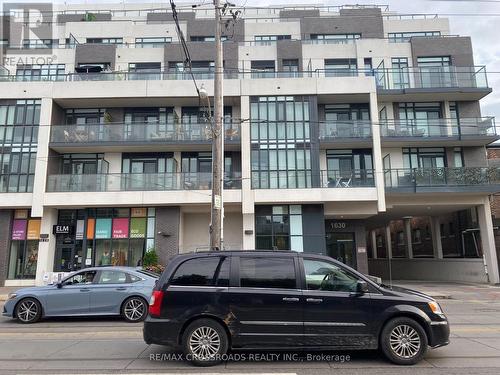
341 247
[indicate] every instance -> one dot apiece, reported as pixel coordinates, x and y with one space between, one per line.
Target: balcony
470 82
136 134
465 131
114 182
306 179
345 132
444 180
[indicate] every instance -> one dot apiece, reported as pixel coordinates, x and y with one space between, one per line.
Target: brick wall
494 160
167 232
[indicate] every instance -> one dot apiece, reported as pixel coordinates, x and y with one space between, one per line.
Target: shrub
150 258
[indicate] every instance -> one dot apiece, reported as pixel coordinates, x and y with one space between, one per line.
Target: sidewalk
435 289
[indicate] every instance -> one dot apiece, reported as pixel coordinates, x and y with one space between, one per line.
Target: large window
269 39
25 232
406 36
105 40
50 72
435 71
334 38
146 70
148 171
422 119
341 68
263 68
152 42
400 74
19 120
279 228
268 272
206 271
104 236
281 151
40 43
424 157
348 168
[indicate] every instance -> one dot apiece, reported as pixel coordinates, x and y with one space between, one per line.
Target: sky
479 19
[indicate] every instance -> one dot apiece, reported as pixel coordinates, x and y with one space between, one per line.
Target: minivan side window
206 271
329 277
269 272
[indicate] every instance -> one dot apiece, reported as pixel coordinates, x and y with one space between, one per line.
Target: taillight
155 303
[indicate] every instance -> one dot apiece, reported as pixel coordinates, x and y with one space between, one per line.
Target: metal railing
443 127
139 132
332 130
136 182
432 77
347 178
434 177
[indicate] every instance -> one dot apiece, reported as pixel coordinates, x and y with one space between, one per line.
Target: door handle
314 300
121 288
290 299
85 290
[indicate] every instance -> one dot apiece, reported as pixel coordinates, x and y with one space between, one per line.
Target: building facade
349 131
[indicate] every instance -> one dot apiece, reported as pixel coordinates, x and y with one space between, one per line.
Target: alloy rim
27 311
405 341
134 309
204 343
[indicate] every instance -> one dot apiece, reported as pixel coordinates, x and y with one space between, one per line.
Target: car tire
28 310
403 341
134 309
205 342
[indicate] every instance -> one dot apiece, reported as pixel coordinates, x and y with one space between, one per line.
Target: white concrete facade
383 189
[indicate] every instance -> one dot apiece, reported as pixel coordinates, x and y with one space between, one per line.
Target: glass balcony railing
432 77
139 132
444 177
137 182
334 130
347 178
466 127
306 179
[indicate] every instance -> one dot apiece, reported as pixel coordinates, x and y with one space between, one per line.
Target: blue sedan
121 291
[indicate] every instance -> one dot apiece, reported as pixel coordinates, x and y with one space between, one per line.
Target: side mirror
361 287
59 285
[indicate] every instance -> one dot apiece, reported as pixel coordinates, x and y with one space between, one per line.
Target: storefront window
24 246
105 236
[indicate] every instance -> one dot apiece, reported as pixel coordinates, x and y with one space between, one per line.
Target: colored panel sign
138 212
120 228
138 228
34 229
90 228
103 228
80 226
19 229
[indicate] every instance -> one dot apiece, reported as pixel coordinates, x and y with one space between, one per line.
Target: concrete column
247 194
377 153
373 238
436 237
409 247
388 241
46 250
488 241
42 157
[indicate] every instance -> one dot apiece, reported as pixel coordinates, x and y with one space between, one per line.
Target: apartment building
349 131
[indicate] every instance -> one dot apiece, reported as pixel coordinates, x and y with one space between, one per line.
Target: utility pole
216 240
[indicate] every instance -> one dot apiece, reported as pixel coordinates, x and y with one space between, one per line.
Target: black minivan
208 303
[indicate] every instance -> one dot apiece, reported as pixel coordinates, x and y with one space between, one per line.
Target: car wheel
134 309
403 341
28 310
205 342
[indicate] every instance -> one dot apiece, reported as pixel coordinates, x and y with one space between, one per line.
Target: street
113 346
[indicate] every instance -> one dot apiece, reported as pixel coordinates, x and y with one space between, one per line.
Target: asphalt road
78 346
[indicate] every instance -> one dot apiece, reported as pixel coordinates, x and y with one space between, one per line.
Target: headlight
12 295
436 309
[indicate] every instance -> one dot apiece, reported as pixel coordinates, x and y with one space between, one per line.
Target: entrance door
71 258
340 246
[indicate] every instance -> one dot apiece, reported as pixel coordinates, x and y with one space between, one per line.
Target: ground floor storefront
407 242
